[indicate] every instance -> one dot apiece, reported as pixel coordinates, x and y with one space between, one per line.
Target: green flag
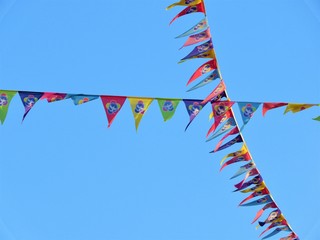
317 118
5 98
168 107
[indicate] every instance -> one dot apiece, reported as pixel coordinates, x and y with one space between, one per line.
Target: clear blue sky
65 176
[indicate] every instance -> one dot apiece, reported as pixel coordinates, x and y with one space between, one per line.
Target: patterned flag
190 9
291 236
244 157
280 221
220 110
207 54
203 69
235 130
81 98
250 173
197 38
264 191
139 106
254 181
271 204
52 97
168 107
229 123
5 99
272 216
294 107
263 200
184 3
213 76
237 139
29 99
200 26
276 231
267 106
112 105
193 108
247 110
204 47
243 169
221 88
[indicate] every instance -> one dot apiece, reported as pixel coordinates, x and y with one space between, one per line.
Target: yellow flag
295 107
242 151
139 106
184 3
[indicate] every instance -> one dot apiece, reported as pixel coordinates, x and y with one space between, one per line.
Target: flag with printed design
271 204
269 105
221 88
227 126
193 109
202 48
291 236
190 9
247 109
272 216
257 180
203 69
215 74
29 99
112 105
264 200
168 107
276 231
200 26
184 3
262 192
297 107
280 221
237 139
197 38
139 106
5 99
207 54
238 153
53 97
241 158
79 99
243 169
252 172
234 131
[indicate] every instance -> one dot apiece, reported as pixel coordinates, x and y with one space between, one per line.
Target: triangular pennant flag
207 54
168 107
5 99
236 159
247 109
272 216
316 118
81 98
184 3
254 181
264 191
203 69
295 107
280 221
229 123
263 200
243 169
213 76
237 139
197 38
190 9
216 92
291 236
276 231
267 106
52 97
193 109
242 151
250 173
220 110
204 47
139 106
257 187
200 26
235 130
29 99
112 105
260 212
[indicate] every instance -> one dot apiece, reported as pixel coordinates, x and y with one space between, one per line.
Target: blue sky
65 175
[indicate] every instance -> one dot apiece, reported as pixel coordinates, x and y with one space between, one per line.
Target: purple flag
193 108
237 139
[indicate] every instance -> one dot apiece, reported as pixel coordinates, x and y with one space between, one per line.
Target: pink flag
197 38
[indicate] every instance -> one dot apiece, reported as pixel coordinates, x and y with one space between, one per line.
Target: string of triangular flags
223 114
139 105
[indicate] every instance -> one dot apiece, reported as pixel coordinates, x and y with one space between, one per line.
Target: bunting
53 97
193 109
198 50
190 9
168 107
184 3
5 99
200 26
203 69
29 99
139 106
247 109
81 98
112 105
296 107
267 106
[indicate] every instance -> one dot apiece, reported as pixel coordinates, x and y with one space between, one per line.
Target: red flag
264 191
275 224
267 106
216 92
203 69
243 157
190 9
197 38
220 110
52 97
112 105
260 212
